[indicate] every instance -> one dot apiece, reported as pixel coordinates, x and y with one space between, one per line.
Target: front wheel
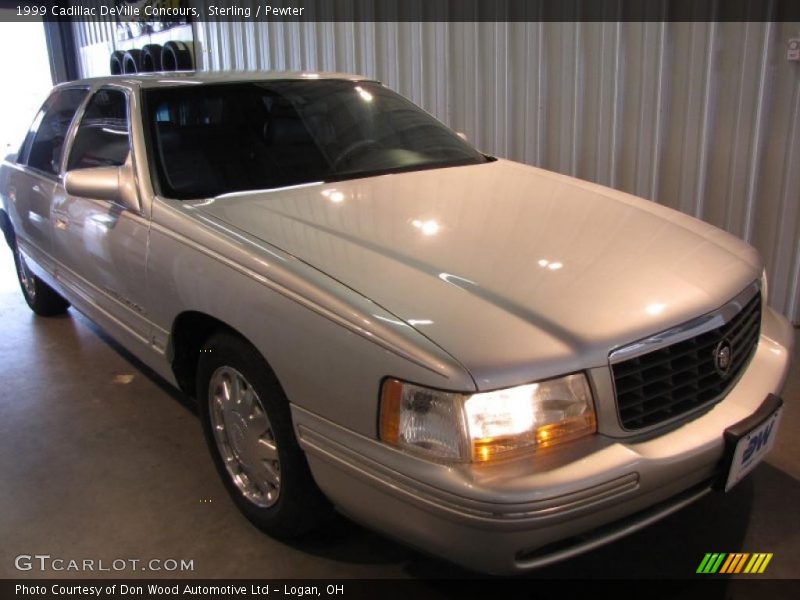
41 298
248 428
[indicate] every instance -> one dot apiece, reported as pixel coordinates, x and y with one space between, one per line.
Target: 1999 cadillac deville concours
496 364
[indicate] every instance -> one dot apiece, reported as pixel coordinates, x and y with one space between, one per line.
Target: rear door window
44 145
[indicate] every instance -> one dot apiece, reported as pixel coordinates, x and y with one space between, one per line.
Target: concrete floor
100 459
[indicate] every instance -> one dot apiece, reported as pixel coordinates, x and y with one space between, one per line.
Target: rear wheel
248 428
41 298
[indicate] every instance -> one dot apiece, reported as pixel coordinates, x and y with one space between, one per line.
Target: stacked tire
132 63
151 58
172 56
176 56
117 58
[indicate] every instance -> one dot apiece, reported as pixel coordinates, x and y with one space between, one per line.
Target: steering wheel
352 149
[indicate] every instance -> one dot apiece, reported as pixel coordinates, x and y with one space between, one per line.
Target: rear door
101 245
33 177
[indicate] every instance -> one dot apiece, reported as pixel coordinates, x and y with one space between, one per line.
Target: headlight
764 295
487 425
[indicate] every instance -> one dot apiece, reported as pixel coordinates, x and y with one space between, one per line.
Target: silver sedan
495 363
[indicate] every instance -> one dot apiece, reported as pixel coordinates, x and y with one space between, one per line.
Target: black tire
115 63
40 297
176 56
300 506
151 58
132 62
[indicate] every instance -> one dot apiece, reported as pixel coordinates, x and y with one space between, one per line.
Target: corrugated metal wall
702 117
94 41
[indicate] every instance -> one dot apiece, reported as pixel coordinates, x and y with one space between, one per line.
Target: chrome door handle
37 189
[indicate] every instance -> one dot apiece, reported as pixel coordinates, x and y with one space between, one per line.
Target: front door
102 246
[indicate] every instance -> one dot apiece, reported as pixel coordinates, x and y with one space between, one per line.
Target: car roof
178 78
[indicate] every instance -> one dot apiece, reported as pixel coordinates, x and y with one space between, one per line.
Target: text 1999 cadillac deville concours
494 363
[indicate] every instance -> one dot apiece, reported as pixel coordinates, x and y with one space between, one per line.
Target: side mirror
115 184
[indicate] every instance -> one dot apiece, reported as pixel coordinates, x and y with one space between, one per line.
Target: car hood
517 272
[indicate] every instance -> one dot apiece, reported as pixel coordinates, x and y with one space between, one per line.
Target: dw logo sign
756 442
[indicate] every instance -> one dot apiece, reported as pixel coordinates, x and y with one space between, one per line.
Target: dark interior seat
291 147
184 160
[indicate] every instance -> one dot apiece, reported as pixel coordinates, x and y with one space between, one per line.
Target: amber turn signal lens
390 410
543 437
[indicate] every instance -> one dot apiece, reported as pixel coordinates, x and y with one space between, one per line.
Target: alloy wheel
26 277
244 437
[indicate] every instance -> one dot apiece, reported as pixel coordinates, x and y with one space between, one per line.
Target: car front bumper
532 511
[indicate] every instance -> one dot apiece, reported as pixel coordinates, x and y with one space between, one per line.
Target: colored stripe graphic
711 562
729 562
717 564
734 563
703 563
753 564
758 563
723 563
741 562
765 563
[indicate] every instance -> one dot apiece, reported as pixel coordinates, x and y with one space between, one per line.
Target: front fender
329 346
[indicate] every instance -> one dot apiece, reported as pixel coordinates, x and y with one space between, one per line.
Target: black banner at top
403 10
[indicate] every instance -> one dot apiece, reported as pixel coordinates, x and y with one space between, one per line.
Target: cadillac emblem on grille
722 357
673 380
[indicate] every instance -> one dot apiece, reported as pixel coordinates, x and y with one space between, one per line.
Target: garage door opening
26 70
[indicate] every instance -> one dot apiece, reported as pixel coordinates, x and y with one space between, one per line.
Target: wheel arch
7 228
190 330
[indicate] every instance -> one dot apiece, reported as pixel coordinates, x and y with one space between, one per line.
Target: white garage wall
702 117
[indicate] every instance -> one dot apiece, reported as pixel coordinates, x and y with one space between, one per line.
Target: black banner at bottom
397 589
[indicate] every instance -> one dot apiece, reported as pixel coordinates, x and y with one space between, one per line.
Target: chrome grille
674 380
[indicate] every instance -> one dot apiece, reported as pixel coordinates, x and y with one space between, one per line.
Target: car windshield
209 140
